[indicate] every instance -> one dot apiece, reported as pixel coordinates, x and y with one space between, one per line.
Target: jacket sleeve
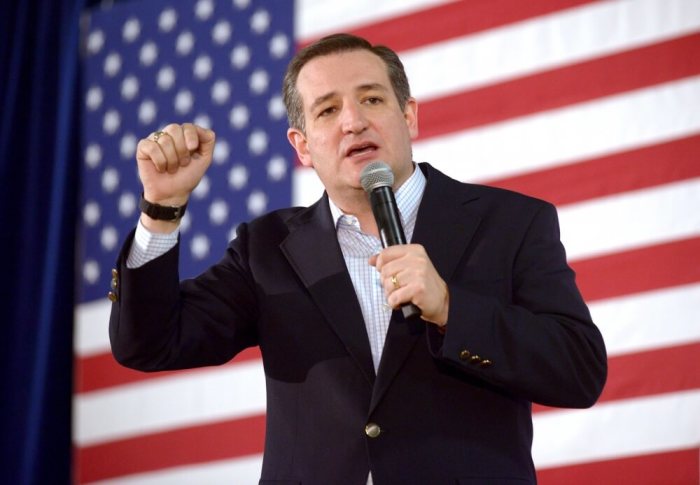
536 339
160 323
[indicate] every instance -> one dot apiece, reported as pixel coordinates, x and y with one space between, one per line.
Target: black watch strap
161 212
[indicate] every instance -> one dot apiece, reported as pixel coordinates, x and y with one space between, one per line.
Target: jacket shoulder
489 192
485 193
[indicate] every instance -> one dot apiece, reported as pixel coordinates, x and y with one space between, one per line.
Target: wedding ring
395 282
157 135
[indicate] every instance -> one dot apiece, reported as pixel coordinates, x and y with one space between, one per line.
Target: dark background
39 160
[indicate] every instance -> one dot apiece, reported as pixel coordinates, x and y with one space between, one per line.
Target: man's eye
326 111
373 100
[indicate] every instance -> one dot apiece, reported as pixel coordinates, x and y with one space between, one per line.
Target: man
355 391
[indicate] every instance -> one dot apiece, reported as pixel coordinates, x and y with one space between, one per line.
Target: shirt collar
408 198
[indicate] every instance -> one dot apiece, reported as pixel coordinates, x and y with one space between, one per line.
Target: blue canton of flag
216 63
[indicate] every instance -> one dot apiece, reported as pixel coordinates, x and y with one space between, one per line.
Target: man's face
352 118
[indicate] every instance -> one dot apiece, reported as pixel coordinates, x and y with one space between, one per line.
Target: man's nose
353 119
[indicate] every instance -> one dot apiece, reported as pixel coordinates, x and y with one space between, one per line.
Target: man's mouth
360 149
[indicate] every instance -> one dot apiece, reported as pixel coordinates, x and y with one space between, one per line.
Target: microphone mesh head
376 174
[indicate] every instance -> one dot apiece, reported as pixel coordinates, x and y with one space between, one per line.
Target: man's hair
333 44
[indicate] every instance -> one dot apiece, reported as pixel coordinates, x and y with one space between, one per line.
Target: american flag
592 105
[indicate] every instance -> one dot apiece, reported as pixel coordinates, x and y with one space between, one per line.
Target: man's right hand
171 164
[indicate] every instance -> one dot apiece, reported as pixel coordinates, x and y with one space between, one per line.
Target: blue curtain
39 161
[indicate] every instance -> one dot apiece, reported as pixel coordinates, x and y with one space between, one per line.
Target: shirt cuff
148 245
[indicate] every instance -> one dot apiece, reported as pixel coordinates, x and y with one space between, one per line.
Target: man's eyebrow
321 100
372 87
361 88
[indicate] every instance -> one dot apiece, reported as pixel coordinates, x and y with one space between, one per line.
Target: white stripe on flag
319 17
170 402
91 321
649 320
617 429
631 220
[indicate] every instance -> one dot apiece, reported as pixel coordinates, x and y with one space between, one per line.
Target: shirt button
372 430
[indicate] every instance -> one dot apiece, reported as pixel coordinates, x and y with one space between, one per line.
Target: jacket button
475 359
372 430
115 273
464 355
112 296
486 363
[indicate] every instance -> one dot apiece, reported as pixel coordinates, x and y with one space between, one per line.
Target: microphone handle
386 213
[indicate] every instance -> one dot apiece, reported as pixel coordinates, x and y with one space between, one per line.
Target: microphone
377 179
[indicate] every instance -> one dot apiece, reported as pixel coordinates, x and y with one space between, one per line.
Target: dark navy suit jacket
452 408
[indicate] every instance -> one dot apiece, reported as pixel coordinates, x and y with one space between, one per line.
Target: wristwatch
161 212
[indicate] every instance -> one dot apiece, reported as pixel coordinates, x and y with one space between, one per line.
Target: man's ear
297 139
410 113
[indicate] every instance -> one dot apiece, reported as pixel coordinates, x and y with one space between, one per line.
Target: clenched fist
172 162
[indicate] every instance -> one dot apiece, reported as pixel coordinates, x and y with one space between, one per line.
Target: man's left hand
408 276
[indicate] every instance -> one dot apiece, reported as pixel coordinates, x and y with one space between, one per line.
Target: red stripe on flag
621 172
577 83
649 373
197 444
637 270
101 371
454 19
676 467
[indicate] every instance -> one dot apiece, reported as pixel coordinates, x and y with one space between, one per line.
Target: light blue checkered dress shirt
357 247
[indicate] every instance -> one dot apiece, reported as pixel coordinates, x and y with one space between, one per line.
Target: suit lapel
444 227
445 222
313 251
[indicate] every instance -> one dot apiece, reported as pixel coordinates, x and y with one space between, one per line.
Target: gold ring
157 135
395 282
